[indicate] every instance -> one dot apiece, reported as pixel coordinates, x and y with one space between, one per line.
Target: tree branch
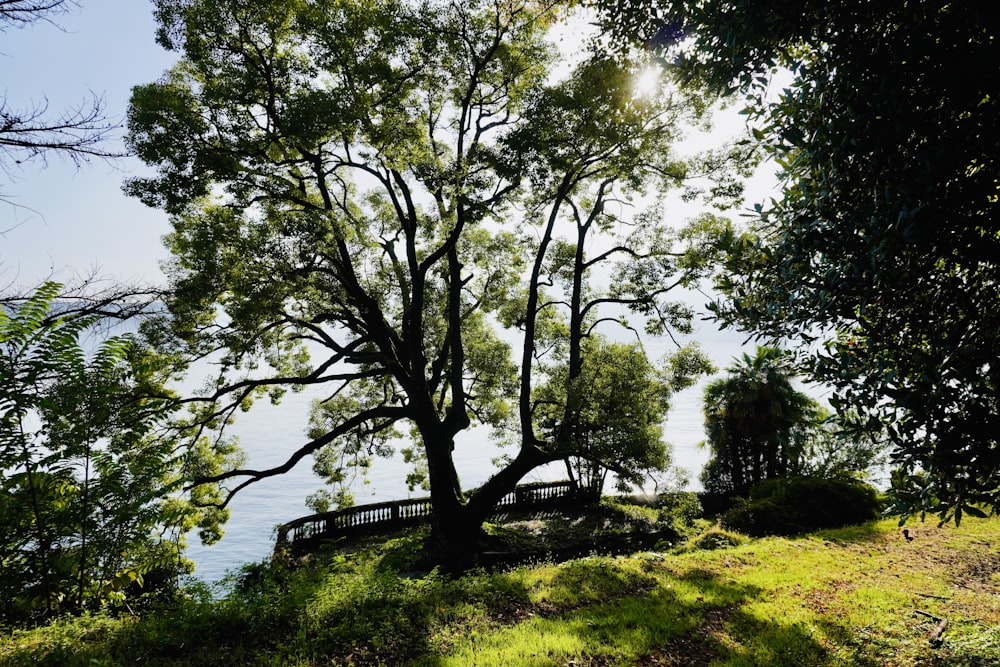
18 13
78 133
382 411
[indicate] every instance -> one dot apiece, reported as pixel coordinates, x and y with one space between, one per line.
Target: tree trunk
456 527
454 531
455 535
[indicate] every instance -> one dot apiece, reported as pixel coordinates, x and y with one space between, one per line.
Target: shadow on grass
857 534
359 609
599 614
726 633
591 611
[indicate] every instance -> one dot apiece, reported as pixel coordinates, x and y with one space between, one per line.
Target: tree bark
456 526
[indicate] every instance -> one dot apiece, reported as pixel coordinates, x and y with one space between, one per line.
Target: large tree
389 198
884 242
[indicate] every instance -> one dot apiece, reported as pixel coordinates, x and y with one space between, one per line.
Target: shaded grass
854 596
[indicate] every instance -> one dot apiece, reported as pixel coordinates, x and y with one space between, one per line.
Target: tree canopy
883 244
425 208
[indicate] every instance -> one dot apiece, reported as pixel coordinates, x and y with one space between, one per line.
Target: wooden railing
309 531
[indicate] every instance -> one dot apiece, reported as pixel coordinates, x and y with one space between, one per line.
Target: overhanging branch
383 412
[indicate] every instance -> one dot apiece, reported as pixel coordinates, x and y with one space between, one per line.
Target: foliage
760 427
679 515
802 504
612 411
831 447
837 599
423 209
884 241
683 507
754 422
85 477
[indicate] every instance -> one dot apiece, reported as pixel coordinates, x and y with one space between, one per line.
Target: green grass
855 596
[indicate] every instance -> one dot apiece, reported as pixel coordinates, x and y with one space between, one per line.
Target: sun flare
647 82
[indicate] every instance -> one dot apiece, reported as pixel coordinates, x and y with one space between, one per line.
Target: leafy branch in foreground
89 475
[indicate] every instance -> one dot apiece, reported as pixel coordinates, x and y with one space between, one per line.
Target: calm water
268 433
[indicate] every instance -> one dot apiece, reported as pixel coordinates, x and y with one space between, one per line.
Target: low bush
715 505
714 538
681 508
801 504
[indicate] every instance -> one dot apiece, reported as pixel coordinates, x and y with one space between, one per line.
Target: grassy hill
856 596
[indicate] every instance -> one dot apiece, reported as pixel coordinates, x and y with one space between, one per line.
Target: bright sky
67 221
64 221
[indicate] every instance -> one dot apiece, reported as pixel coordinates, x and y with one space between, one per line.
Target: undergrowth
855 596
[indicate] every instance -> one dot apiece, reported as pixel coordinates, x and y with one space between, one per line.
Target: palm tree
755 421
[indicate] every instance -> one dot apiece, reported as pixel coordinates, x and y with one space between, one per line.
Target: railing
538 493
306 531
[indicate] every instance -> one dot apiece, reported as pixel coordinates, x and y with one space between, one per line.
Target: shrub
715 505
801 504
681 511
716 538
682 508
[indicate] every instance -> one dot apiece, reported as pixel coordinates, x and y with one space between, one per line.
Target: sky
63 221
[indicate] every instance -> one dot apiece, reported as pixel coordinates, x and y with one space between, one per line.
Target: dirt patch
695 649
977 571
973 565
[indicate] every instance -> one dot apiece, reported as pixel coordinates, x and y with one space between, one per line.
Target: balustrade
399 513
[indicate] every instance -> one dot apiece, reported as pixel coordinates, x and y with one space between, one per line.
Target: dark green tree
755 423
388 199
884 241
759 426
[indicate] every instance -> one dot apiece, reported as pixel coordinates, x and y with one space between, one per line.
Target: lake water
268 433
